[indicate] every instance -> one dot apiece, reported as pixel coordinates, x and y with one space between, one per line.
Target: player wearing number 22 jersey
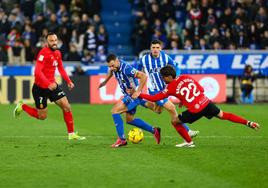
191 94
189 91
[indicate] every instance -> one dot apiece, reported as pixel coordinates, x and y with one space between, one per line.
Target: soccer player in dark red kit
191 94
45 87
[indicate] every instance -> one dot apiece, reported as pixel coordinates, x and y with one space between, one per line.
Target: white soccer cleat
193 134
254 125
186 145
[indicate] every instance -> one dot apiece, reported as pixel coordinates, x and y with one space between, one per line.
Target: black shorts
209 112
41 95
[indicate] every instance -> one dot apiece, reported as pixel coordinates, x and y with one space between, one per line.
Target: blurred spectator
61 12
246 80
43 7
264 41
85 22
77 7
96 21
154 13
232 46
65 29
168 9
3 55
101 55
216 45
234 24
140 33
102 38
78 71
29 34
77 41
241 40
203 44
16 53
158 34
188 45
73 54
27 7
4 23
24 24
29 50
90 40
174 46
52 24
88 58
39 24
172 25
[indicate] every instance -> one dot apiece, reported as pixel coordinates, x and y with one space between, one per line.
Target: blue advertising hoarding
230 63
220 62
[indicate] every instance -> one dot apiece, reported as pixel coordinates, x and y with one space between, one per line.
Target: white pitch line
103 136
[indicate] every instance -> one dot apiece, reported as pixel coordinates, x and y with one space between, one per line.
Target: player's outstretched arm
154 98
143 78
109 76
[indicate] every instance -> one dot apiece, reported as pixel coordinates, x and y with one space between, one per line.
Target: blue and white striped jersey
152 66
125 77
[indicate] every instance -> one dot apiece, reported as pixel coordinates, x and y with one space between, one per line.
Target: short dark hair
168 71
50 33
111 57
156 41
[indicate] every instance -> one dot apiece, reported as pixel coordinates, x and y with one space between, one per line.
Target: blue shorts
131 104
161 102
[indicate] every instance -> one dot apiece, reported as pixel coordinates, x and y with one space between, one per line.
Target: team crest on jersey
155 70
55 63
41 58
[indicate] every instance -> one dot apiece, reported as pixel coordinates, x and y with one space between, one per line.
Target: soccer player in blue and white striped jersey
151 64
127 77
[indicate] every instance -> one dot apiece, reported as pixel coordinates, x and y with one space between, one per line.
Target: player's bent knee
175 120
66 108
129 119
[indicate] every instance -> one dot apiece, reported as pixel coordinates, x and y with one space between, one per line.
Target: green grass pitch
37 153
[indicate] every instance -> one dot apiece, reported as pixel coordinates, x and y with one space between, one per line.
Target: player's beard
53 48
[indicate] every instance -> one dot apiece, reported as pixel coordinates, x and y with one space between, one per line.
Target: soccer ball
135 135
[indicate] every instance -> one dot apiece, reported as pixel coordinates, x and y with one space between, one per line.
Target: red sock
183 132
234 118
30 110
68 118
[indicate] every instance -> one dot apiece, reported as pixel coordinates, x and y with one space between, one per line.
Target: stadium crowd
201 24
180 24
25 23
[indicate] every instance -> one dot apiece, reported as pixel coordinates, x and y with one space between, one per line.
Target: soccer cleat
119 142
75 136
253 125
157 134
193 134
18 109
186 145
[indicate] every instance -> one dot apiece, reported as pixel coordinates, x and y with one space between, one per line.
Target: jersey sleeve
154 98
130 71
175 65
62 70
38 72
